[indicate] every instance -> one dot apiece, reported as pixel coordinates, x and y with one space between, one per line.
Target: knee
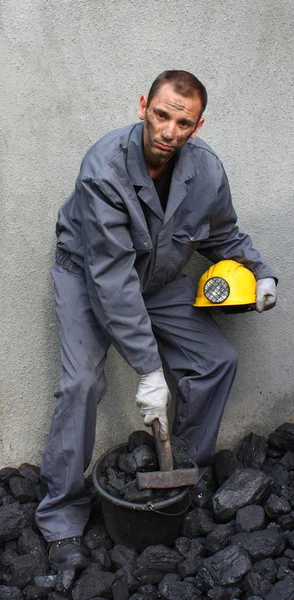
83 384
81 381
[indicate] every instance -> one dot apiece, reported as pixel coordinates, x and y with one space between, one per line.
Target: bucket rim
148 506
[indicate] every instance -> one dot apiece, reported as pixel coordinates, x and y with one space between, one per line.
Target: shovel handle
163 449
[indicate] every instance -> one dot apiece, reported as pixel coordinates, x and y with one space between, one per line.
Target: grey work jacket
114 228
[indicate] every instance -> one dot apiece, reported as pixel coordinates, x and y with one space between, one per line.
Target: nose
168 131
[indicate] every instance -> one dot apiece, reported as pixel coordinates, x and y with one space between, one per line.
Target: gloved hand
266 294
152 398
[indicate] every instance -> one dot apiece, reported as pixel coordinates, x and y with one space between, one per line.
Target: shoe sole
70 564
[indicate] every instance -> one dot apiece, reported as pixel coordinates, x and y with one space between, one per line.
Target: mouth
164 147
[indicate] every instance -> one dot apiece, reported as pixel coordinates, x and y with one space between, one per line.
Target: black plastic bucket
140 525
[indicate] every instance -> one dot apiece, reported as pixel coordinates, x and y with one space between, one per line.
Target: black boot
68 553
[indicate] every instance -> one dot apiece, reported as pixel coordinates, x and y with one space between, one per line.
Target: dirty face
169 121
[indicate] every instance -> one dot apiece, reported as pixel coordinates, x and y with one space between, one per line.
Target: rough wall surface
71 71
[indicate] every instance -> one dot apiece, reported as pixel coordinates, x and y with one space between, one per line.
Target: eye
160 115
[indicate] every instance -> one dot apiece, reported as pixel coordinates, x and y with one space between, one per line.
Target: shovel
167 477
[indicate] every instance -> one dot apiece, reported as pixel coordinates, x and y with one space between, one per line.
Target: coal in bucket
140 525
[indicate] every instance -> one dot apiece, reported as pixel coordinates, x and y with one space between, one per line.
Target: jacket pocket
141 241
190 233
72 245
185 241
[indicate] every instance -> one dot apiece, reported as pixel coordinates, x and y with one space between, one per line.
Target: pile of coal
119 468
239 546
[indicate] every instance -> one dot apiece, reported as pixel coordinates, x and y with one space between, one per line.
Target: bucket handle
150 507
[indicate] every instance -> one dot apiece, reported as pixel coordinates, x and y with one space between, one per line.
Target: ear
142 107
198 126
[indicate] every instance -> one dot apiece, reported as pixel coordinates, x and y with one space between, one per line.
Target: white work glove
266 294
152 398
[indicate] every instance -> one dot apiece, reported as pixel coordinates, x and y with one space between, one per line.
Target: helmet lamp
216 290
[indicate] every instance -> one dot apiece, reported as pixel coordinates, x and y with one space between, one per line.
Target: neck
156 172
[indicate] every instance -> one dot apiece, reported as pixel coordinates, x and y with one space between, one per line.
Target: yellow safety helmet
227 283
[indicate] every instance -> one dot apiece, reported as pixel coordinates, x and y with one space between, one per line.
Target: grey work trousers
197 354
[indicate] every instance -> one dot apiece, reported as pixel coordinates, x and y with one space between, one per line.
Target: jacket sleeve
112 279
226 240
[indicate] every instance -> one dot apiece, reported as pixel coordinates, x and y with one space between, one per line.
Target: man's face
169 121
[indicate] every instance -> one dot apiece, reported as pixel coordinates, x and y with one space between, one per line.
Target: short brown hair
184 83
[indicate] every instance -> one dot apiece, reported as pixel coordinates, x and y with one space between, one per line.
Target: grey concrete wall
71 71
